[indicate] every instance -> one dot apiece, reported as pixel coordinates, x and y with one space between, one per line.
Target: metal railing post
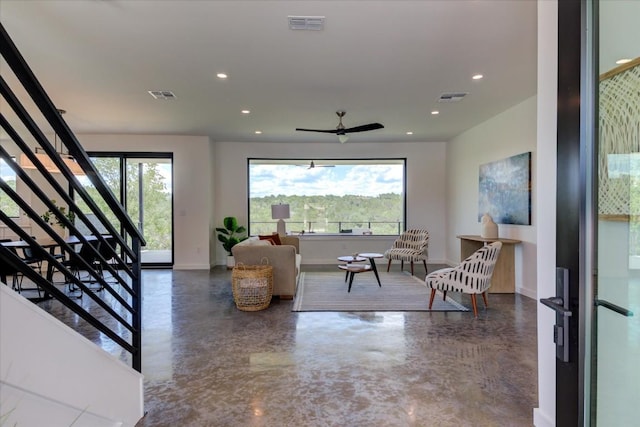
137 307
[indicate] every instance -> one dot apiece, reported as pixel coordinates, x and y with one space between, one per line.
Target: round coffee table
352 270
349 259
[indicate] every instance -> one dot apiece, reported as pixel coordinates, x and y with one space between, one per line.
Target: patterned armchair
471 276
412 246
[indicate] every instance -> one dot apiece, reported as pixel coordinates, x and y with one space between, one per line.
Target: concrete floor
208 364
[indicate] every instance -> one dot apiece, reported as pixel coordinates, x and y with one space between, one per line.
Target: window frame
302 161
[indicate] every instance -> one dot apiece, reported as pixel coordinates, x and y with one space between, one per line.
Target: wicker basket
252 286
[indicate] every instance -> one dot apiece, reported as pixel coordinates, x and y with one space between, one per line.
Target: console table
503 280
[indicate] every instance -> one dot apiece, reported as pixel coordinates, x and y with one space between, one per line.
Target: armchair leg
475 305
444 295
424 261
389 265
431 298
412 268
401 265
484 298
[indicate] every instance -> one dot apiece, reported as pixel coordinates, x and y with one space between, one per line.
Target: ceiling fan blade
318 130
363 128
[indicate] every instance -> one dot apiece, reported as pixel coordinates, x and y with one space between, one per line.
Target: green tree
156 223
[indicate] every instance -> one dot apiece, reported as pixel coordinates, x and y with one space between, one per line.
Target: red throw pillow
275 238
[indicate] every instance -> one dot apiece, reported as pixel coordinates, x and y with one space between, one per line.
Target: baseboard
542 420
527 293
191 267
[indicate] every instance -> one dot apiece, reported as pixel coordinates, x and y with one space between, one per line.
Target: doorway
143 183
598 213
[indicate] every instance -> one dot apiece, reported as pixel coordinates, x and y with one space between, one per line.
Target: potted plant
230 235
52 219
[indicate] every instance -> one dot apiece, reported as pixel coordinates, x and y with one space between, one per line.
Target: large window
328 196
7 204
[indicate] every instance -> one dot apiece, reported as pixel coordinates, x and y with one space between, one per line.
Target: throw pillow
275 238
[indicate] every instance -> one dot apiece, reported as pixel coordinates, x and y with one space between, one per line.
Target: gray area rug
327 291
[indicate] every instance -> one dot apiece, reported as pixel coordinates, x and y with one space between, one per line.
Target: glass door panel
145 184
615 381
109 168
149 203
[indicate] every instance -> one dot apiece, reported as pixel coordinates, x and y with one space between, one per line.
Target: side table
503 279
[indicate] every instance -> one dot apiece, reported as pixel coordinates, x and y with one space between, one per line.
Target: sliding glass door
143 184
149 203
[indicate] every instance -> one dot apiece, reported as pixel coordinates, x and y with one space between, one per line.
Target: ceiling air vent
162 94
309 23
452 96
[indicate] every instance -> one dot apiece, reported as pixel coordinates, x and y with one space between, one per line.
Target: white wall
544 415
50 374
509 133
425 183
192 187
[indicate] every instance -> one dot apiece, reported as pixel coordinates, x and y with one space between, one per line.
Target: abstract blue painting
505 190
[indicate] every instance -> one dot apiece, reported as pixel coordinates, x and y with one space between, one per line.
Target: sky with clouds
339 180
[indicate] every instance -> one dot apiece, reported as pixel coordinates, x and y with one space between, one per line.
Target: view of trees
156 194
330 214
328 196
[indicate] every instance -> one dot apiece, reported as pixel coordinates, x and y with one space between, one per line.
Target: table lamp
280 212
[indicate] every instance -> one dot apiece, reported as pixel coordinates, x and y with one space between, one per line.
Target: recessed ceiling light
435 112
477 77
258 132
409 133
623 61
221 75
245 111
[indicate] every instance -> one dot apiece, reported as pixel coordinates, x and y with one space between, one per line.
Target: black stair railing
118 312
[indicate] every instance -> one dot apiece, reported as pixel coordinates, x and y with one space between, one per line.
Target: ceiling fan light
343 138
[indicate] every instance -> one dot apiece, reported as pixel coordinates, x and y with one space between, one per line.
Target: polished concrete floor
208 364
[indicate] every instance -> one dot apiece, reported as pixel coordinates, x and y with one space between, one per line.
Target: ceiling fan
313 165
342 131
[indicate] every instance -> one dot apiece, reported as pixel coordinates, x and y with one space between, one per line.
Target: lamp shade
280 211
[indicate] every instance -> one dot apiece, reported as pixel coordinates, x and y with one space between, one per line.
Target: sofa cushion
254 241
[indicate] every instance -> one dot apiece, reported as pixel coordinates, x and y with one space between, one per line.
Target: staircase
49 373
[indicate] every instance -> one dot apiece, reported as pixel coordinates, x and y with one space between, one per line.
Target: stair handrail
129 262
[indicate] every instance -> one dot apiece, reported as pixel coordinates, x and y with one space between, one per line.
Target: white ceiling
381 61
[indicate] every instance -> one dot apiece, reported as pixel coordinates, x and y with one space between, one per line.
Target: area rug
327 291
